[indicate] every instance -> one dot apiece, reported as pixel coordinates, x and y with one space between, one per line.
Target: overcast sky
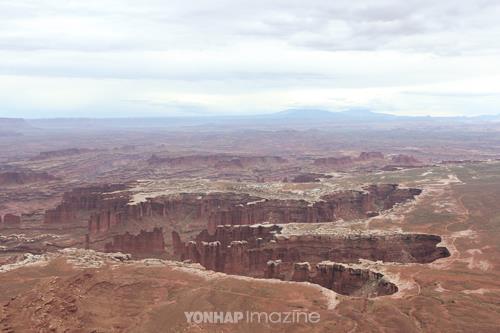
167 57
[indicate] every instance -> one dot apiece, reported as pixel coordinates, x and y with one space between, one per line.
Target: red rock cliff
215 209
10 220
333 162
143 244
22 177
81 202
261 251
252 247
216 160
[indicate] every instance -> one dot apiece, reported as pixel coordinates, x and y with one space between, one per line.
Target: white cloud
156 57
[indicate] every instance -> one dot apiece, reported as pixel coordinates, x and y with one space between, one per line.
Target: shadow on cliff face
108 214
107 208
261 251
343 279
235 243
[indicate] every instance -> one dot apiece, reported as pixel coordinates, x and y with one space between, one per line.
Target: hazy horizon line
245 115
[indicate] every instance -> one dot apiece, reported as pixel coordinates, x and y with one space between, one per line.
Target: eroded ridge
263 251
341 278
107 208
215 209
146 243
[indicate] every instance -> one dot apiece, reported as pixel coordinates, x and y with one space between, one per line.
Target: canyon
263 251
228 208
233 239
107 209
123 230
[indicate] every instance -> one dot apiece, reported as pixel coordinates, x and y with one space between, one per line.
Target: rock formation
333 162
81 202
24 177
11 220
370 155
265 242
345 280
348 161
143 244
262 251
404 160
106 211
309 178
216 161
273 270
226 208
61 153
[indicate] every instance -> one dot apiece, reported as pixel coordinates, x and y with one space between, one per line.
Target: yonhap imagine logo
237 317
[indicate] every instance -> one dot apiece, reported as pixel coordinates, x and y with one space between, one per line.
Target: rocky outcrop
370 155
447 162
265 242
262 251
333 162
348 161
24 177
254 235
301 272
216 161
78 204
309 178
177 244
226 208
273 270
345 280
144 244
404 160
10 220
60 153
349 248
104 220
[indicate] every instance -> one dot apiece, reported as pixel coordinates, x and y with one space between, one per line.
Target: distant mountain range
300 117
367 114
12 123
13 126
351 114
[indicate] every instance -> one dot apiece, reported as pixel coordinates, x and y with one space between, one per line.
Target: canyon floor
101 235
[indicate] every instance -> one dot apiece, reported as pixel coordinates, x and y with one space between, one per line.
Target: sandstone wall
10 220
247 250
83 201
216 161
22 177
145 243
215 209
316 259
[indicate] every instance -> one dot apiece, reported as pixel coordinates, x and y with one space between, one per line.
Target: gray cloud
188 56
160 25
458 94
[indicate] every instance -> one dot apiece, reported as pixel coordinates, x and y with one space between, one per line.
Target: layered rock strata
10 220
81 202
24 177
216 161
262 251
144 244
215 209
